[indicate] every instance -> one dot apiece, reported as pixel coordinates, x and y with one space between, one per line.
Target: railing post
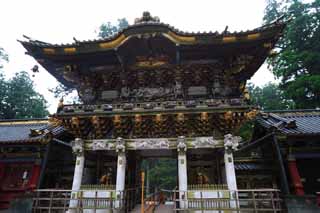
272 201
50 202
95 201
219 201
65 202
201 201
279 204
254 201
37 199
237 201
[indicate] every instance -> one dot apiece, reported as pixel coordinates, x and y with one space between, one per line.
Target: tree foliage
3 57
23 100
162 173
109 29
296 61
269 97
18 98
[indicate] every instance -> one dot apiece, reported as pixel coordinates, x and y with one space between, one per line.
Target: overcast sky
58 21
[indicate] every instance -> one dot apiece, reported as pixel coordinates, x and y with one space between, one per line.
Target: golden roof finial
60 105
146 17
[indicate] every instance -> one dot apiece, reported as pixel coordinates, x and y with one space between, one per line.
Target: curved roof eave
179 37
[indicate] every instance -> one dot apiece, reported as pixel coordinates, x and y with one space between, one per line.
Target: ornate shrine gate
153 90
177 147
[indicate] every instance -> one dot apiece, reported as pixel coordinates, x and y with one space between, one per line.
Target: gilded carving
54 121
228 116
252 114
146 17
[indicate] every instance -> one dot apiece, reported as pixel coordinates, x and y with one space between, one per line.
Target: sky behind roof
59 21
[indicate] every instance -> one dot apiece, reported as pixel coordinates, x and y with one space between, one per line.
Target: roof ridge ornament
146 17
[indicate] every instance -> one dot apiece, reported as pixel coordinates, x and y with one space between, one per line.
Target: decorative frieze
181 143
155 143
205 142
101 145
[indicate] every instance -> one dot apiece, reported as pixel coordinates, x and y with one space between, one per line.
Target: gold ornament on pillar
60 105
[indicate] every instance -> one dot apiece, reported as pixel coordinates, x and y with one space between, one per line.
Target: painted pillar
182 172
77 147
230 144
33 182
121 172
295 176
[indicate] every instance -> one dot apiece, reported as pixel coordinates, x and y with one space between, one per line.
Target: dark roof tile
19 131
292 122
277 23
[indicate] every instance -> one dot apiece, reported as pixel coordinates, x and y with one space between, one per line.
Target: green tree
3 57
3 83
296 61
163 173
269 97
109 29
20 100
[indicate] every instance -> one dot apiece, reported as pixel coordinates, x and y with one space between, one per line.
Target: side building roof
27 131
292 123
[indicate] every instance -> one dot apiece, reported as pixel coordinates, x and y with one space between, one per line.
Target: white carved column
182 172
121 172
77 147
230 144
